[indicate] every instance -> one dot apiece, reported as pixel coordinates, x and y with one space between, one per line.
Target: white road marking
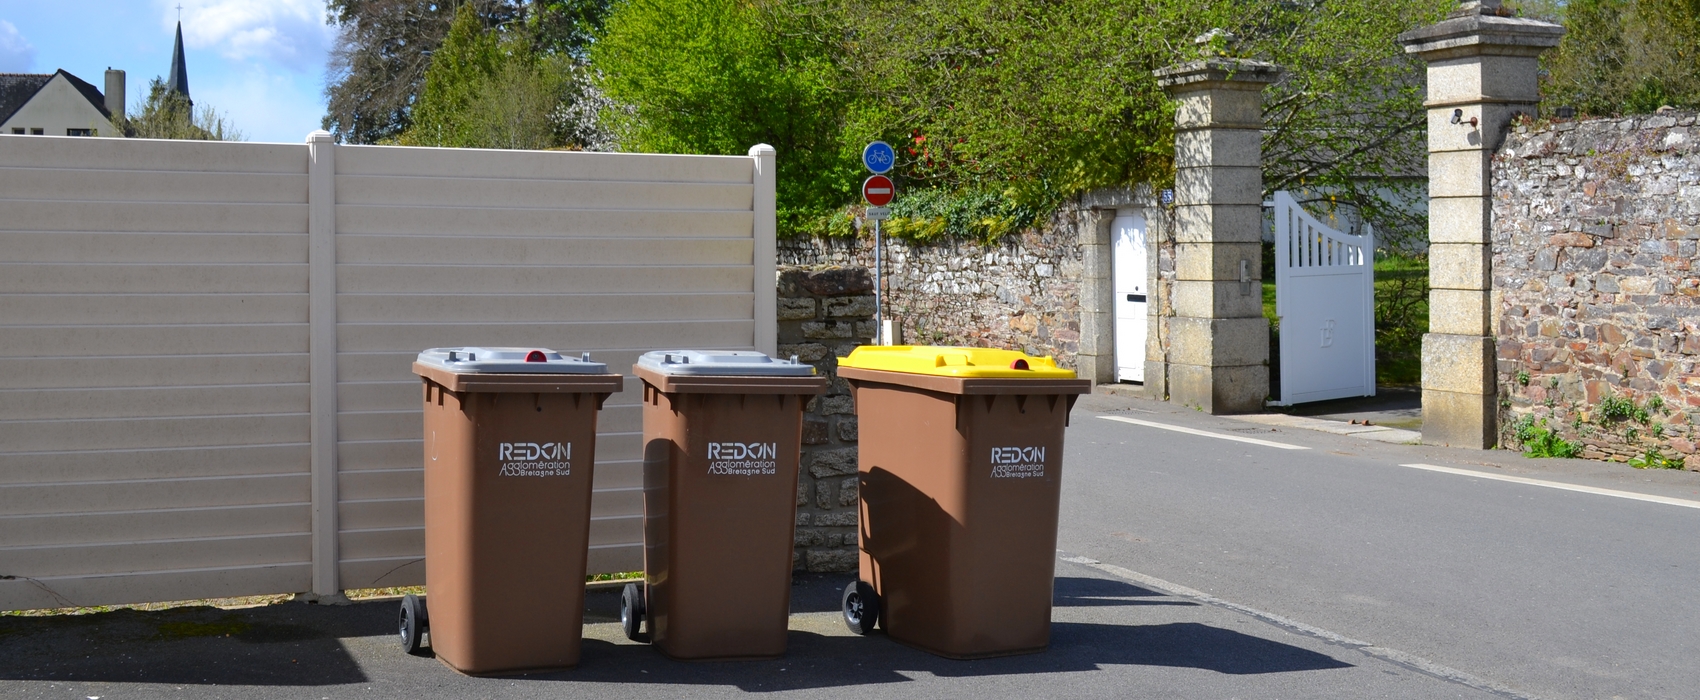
1205 433
1407 660
1559 485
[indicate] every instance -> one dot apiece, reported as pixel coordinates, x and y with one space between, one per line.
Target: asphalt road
1192 567
1538 591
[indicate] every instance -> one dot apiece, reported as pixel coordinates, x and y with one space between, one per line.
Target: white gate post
321 314
1482 72
1218 338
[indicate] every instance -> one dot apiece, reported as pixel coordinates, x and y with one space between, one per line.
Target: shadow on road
820 661
303 645
279 645
828 661
1081 592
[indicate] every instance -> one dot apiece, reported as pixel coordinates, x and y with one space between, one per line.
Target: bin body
508 472
960 480
721 457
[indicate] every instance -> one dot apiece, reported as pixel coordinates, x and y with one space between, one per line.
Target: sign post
878 191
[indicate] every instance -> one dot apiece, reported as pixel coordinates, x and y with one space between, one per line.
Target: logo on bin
1018 462
743 458
536 458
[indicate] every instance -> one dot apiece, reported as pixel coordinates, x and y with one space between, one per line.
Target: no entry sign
878 190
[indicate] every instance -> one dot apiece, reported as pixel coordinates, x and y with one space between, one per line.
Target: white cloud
16 53
291 33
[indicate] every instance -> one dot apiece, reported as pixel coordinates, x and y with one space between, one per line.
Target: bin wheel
861 607
413 621
632 611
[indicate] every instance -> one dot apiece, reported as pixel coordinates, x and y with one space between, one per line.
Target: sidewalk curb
1367 432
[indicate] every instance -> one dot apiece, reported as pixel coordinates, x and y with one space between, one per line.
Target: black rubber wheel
413 622
632 611
861 607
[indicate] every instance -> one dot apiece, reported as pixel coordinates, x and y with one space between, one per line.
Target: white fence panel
1325 298
581 252
153 340
170 311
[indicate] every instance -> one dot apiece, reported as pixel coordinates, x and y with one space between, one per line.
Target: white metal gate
1325 298
1129 259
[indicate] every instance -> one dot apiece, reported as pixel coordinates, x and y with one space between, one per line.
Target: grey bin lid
722 363
509 361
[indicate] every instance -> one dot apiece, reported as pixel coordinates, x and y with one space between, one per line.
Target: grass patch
1653 459
390 592
1401 318
223 603
621 576
1541 442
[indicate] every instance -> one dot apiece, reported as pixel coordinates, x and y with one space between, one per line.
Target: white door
1325 297
1129 258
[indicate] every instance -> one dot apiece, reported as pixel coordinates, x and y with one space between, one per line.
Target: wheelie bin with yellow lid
960 473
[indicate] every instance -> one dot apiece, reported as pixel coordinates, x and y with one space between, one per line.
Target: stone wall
1022 293
824 313
1597 282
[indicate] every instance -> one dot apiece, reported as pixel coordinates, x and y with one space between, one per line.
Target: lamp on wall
1458 118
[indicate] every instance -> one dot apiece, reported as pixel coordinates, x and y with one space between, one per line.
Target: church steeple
179 80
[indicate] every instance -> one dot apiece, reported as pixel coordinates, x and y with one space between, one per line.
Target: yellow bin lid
947 361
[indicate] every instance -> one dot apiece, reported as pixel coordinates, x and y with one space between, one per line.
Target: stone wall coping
1116 197
1483 34
1225 73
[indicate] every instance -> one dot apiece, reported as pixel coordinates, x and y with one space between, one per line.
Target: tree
1625 56
495 88
467 57
719 76
167 114
1025 101
567 27
384 49
1347 123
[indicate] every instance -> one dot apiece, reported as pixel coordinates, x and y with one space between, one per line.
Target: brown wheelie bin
510 437
722 435
960 472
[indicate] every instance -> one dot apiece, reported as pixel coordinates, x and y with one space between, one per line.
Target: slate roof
16 89
90 92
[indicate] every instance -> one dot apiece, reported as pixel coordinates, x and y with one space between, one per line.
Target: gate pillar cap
1481 27
1217 73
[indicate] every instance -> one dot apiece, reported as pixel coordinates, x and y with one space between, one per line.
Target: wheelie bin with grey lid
510 439
722 436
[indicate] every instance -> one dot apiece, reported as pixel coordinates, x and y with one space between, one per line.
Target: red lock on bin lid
536 356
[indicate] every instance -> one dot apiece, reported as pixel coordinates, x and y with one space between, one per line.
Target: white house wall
59 106
155 342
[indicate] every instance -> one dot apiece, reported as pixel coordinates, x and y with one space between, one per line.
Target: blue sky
259 62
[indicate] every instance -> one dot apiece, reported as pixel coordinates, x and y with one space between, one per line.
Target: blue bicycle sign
878 157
